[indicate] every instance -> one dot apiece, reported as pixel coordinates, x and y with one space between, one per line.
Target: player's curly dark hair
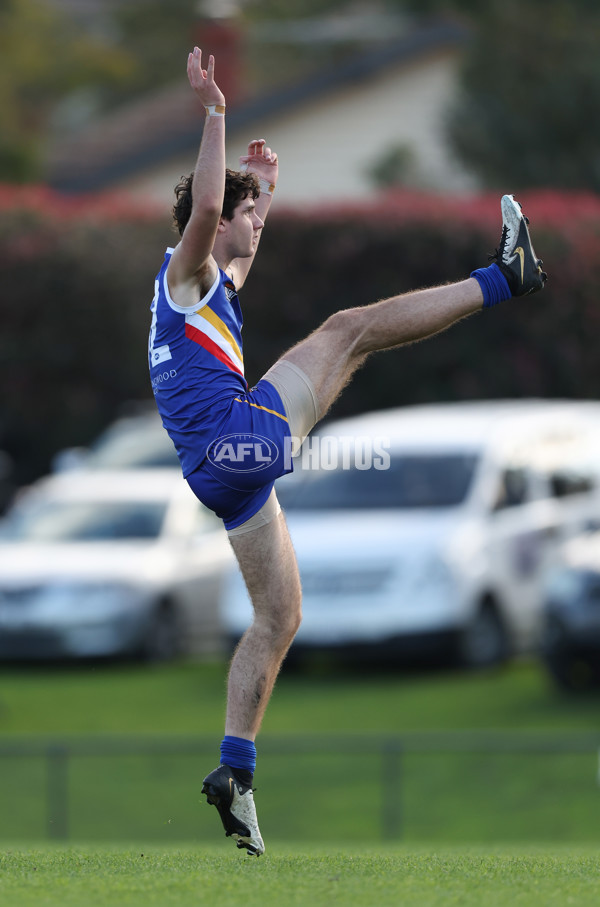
238 186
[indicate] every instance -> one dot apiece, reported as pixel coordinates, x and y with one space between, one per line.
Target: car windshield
418 481
83 521
141 447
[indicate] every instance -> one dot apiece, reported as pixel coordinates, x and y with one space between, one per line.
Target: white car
137 441
97 564
439 538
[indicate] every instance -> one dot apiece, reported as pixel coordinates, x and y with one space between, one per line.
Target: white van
433 527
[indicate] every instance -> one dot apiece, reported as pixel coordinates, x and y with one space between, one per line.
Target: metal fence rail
58 755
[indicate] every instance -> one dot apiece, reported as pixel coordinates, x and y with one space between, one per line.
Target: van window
564 483
55 520
412 481
565 463
512 489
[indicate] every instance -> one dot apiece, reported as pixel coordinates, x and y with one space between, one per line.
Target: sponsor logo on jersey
230 290
160 354
162 377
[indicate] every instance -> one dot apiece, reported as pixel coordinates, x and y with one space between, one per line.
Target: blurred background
398 125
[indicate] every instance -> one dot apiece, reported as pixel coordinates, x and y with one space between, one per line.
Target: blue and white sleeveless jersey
196 364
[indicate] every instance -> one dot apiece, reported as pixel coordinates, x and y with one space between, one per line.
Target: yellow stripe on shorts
265 408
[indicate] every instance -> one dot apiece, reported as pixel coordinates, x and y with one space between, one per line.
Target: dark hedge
77 281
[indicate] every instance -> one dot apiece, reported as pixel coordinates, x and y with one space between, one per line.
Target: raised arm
192 269
262 161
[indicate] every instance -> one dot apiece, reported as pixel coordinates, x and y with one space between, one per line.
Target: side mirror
69 459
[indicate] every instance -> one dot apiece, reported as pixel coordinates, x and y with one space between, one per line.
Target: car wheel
484 640
163 640
571 670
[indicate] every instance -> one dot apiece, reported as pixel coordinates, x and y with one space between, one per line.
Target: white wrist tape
215 110
266 186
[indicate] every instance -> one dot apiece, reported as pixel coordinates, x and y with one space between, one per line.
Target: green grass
319 877
189 699
445 800
440 795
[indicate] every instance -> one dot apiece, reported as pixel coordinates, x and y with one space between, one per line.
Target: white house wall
327 146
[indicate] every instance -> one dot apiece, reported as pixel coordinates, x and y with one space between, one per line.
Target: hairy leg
268 564
265 555
331 354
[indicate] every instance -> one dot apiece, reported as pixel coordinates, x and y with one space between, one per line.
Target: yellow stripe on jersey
266 409
220 326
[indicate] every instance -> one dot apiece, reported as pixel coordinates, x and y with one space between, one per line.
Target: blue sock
494 285
237 752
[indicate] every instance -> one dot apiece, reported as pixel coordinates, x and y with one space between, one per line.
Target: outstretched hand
203 80
261 160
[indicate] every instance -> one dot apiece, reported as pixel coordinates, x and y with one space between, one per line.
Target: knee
291 619
285 622
295 616
343 323
348 326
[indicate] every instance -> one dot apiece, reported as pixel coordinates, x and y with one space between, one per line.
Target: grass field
324 731
188 698
477 828
358 877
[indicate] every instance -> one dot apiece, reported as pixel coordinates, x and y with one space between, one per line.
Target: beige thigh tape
299 399
269 510
302 410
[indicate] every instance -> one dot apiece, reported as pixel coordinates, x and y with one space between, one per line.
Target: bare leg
265 555
268 565
334 351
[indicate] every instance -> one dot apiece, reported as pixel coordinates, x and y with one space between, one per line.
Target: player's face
244 229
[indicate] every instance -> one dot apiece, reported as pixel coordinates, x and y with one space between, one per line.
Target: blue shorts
252 450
